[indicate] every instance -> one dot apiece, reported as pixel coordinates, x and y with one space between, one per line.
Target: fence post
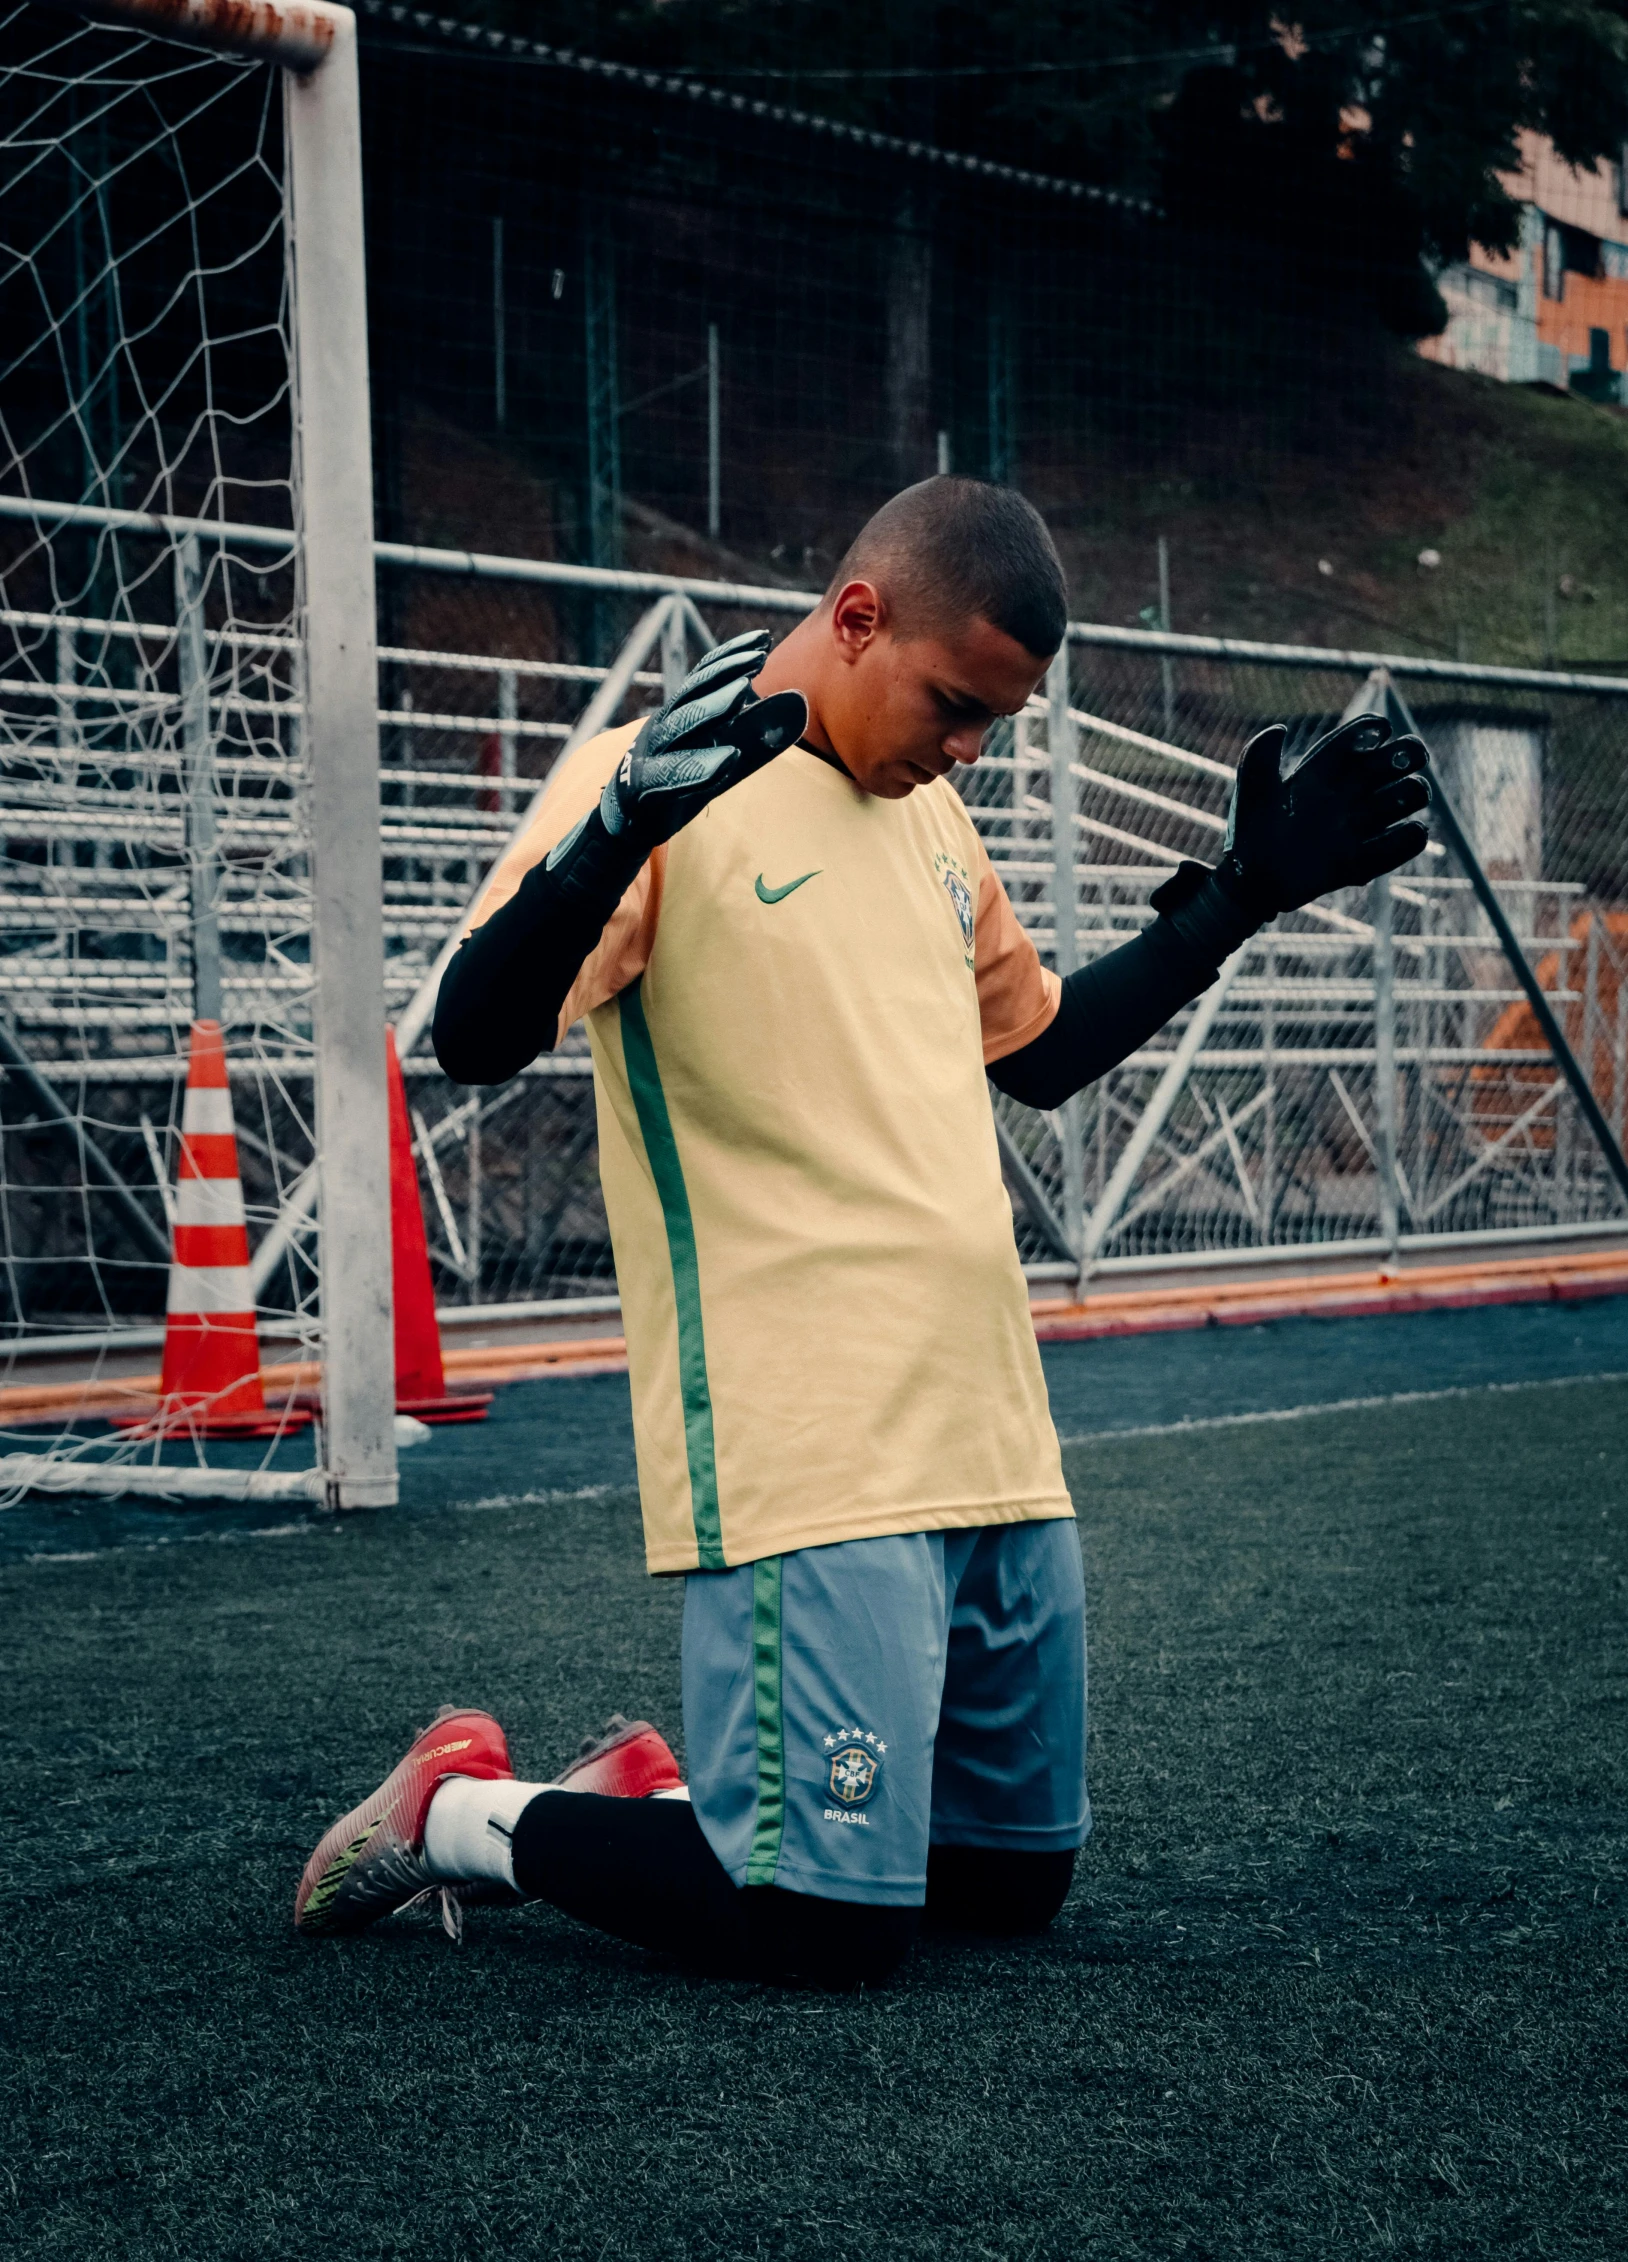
907 374
1591 998
473 1162
407 790
674 648
1002 439
66 700
1167 672
198 775
508 714
341 740
1024 826
500 354
604 397
69 735
1381 914
1266 1194
1066 916
715 480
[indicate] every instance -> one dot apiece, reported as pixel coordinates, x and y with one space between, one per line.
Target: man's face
903 711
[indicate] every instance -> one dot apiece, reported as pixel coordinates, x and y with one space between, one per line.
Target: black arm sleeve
1107 1009
500 999
499 1002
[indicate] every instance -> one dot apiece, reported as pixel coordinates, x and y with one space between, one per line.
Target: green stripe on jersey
650 1102
764 1858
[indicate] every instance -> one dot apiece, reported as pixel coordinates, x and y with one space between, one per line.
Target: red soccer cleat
628 1759
372 1861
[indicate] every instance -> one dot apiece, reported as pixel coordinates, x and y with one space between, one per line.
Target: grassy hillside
1314 537
1523 494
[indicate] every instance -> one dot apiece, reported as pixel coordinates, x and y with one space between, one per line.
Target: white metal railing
1309 1013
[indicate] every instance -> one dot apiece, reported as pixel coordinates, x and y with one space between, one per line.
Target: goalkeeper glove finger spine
710 736
1342 816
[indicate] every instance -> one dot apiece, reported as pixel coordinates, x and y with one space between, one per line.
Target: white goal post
334 478
328 716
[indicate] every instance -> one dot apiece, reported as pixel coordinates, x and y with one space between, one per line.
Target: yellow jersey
790 1013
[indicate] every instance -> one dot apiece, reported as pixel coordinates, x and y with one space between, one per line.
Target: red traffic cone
421 1383
210 1386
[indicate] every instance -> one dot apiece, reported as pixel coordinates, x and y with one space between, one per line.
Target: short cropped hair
953 549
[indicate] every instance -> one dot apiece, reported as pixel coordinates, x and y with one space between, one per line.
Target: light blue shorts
846 1707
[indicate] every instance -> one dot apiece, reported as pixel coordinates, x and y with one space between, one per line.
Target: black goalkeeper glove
711 734
500 998
1343 815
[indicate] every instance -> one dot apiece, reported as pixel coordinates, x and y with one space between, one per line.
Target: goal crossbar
298 33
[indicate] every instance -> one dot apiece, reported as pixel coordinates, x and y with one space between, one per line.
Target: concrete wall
1492 768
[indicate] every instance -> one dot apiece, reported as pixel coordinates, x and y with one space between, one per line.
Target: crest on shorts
856 1762
958 887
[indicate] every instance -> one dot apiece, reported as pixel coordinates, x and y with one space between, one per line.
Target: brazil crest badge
856 1761
957 881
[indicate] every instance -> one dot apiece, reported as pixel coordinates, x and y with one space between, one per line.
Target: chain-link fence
1370 1070
1369 1073
624 320
634 322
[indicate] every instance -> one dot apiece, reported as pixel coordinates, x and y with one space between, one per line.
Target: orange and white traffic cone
210 1385
421 1383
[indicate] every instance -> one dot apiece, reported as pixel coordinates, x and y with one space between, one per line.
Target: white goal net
165 769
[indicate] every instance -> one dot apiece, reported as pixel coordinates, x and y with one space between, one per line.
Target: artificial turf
1342 1973
572 1433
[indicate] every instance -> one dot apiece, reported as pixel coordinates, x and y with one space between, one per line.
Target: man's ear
858 616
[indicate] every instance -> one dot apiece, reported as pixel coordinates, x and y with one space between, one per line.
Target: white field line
314 1526
321 1527
1337 1406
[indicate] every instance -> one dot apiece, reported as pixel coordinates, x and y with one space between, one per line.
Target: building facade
1556 307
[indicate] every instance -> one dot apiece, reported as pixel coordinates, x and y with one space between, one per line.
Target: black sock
641 1870
985 1889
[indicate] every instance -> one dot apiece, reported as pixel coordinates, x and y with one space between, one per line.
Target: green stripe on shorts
764 1858
650 1101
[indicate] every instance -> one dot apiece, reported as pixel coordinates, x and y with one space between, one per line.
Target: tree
1375 130
1383 143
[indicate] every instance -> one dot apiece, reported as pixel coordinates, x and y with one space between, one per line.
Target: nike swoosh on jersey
779 895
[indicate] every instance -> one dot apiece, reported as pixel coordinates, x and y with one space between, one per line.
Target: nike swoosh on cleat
779 895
